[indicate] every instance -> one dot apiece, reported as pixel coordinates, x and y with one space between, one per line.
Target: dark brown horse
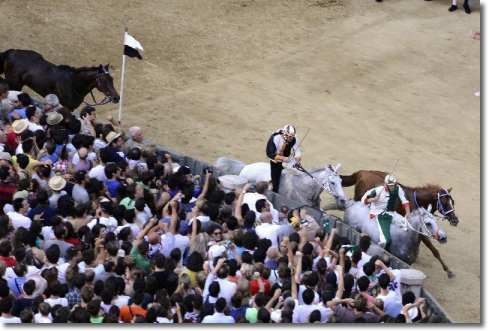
439 198
71 85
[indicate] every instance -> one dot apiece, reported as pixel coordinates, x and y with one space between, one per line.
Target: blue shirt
238 311
15 285
20 111
48 214
112 186
116 154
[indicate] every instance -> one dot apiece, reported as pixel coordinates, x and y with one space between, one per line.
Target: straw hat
21 195
5 156
57 183
54 118
112 136
20 125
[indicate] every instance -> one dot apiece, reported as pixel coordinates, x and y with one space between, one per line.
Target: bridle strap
326 187
105 100
428 235
439 204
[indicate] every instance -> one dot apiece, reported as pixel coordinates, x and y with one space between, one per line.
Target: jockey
279 150
382 200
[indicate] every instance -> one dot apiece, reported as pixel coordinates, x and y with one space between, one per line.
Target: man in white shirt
33 117
302 312
219 316
267 230
391 307
105 209
6 305
21 206
98 171
261 193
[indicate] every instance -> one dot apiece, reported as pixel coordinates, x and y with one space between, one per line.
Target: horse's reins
439 204
105 100
430 235
327 188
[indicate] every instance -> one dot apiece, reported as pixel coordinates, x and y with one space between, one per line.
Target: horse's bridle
105 100
429 234
325 186
439 204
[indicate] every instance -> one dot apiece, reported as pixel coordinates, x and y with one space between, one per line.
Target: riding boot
384 221
276 170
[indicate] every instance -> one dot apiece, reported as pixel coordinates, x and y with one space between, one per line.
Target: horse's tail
3 57
349 180
229 166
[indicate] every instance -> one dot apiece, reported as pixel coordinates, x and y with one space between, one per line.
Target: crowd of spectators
95 228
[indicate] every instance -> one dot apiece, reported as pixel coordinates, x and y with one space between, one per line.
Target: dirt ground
374 82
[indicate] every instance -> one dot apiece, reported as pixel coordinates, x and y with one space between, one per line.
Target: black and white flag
130 47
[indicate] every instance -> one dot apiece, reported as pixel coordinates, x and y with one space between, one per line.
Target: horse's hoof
451 275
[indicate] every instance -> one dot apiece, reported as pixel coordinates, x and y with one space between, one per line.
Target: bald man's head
266 217
153 238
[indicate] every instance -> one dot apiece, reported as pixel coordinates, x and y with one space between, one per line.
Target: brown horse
71 85
439 198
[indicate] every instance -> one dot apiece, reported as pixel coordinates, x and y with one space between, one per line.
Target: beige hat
54 118
20 125
112 136
21 194
5 156
57 183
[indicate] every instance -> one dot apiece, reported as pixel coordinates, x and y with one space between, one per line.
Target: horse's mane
77 70
426 187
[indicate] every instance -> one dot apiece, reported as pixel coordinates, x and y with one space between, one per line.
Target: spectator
80 194
135 140
115 142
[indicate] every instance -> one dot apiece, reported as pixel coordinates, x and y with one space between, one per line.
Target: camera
209 169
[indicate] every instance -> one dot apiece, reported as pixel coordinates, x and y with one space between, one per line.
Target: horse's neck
320 176
84 82
424 197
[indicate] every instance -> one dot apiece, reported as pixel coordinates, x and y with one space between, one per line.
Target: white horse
294 184
405 236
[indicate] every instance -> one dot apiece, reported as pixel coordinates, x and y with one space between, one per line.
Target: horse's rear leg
437 255
14 83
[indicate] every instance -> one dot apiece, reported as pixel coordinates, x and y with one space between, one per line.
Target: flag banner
130 47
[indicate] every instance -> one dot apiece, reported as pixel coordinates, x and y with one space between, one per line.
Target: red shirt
11 139
10 261
72 241
255 287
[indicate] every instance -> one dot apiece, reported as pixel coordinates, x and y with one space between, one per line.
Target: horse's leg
437 255
13 80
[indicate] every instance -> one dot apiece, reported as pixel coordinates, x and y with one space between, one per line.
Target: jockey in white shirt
382 200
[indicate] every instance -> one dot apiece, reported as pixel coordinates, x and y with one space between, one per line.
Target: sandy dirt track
374 82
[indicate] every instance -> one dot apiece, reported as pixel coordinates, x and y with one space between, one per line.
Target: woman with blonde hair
147 150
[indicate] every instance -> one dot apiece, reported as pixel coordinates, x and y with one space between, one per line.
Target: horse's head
105 84
429 222
445 205
333 184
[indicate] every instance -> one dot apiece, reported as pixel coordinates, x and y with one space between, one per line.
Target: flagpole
122 82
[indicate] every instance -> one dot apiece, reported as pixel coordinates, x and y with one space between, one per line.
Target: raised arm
340 286
240 197
380 264
144 231
331 238
294 290
205 186
194 227
299 256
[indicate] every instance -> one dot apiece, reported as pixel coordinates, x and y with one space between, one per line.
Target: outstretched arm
144 231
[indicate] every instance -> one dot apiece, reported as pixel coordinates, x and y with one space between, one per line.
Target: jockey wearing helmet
382 200
279 149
